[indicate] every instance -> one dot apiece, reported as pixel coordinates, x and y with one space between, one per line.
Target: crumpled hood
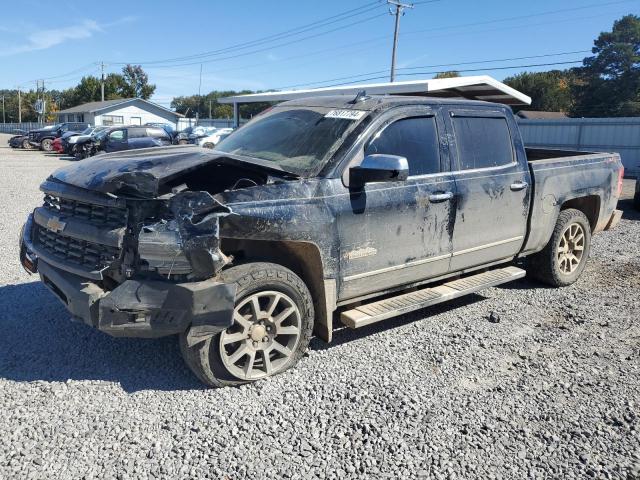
142 172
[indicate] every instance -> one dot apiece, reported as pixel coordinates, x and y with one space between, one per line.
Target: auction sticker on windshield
346 114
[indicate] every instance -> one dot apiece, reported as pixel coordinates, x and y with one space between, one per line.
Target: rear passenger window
483 142
137 133
414 138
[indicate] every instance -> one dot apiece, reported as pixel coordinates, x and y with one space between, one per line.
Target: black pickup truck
42 138
320 209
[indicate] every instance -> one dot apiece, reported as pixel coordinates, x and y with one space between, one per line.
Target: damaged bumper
137 308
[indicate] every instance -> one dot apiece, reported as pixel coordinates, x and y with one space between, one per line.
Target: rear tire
563 259
46 145
273 322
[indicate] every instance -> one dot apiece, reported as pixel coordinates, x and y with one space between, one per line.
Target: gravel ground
552 390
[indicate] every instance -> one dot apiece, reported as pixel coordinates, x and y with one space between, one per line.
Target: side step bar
408 302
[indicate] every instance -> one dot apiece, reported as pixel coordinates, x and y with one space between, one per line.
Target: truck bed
564 179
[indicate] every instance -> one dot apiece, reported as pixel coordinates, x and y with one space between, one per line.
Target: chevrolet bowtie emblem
55 225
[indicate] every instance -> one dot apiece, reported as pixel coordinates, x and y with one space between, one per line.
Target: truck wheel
562 261
45 145
272 325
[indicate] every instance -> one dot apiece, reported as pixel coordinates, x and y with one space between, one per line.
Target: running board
408 302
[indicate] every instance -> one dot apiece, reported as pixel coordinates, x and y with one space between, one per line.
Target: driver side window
415 138
116 136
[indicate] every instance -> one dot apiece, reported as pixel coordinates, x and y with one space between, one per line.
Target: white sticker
346 114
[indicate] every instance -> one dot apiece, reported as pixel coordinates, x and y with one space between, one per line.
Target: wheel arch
589 205
305 260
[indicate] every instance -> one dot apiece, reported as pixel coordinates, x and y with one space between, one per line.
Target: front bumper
136 308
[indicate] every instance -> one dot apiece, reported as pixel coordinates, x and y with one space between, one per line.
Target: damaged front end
131 242
131 267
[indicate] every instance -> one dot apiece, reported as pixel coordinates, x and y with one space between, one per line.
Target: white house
123 111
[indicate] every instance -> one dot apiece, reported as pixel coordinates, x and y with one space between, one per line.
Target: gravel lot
550 391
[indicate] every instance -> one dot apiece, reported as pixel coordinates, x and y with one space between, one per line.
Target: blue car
122 138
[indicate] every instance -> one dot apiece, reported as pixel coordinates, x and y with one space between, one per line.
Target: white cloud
44 39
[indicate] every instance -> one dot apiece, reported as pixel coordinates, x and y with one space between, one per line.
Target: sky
260 45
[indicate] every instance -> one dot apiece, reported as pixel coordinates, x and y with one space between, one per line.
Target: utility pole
209 108
19 107
102 81
4 120
199 96
398 12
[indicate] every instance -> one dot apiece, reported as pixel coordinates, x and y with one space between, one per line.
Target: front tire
272 325
46 145
563 259
26 145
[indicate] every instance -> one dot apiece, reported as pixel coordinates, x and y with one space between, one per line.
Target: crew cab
319 210
43 137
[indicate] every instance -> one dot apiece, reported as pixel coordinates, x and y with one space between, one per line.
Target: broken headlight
160 246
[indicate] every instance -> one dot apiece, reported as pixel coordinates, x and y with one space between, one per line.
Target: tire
46 145
636 198
561 261
258 346
26 145
209 145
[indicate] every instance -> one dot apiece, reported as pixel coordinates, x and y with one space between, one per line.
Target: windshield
298 139
87 131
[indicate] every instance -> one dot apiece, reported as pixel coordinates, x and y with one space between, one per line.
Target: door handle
440 197
519 186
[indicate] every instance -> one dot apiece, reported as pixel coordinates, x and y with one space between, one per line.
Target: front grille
88 255
97 215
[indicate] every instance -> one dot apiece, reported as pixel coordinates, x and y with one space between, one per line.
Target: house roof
480 87
539 115
93 107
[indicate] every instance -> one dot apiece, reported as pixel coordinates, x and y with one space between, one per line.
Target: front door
116 140
398 233
493 187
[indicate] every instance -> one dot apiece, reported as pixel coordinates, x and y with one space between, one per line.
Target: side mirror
379 168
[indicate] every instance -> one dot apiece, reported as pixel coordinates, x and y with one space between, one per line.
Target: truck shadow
629 211
343 335
38 342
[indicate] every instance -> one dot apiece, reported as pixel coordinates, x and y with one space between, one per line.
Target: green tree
136 83
549 91
447 74
610 80
190 105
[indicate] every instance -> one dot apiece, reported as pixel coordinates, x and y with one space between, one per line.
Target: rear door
397 233
493 186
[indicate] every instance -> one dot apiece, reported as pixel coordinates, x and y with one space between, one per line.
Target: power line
435 66
466 70
268 39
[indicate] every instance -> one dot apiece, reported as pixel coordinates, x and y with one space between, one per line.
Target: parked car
211 140
182 137
43 137
56 145
366 209
19 140
121 138
69 139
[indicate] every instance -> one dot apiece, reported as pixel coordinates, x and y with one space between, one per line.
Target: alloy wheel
570 248
264 335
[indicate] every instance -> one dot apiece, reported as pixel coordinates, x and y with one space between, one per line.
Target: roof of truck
376 101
